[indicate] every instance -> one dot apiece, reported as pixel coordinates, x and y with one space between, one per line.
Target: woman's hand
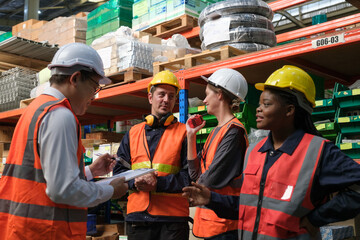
197 194
192 131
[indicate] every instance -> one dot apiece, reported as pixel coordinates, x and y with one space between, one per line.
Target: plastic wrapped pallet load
244 24
120 50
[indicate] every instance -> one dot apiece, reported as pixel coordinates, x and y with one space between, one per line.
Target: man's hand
102 165
313 231
147 182
197 194
120 187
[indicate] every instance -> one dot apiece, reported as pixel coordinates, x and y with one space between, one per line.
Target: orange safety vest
166 161
286 193
206 222
26 212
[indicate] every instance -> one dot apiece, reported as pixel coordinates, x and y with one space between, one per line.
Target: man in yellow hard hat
156 209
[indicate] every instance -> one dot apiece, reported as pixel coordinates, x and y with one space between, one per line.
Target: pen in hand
118 159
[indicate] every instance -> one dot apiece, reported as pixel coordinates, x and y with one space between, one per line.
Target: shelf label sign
340 38
345 146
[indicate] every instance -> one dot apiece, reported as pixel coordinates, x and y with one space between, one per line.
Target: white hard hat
74 57
230 80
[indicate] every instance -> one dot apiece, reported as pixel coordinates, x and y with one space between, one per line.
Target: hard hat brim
105 81
260 86
205 78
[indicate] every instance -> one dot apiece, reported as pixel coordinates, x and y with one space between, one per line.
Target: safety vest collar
28 158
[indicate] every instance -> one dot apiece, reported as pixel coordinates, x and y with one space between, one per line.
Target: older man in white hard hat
44 186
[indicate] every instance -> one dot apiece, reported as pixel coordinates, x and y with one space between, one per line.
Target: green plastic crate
205 131
324 109
349 99
246 115
328 130
351 149
349 125
197 110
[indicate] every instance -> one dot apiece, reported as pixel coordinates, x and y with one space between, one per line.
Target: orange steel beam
138 94
15 113
124 89
289 50
119 107
283 4
194 32
322 27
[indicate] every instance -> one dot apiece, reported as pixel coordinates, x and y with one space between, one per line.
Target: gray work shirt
58 143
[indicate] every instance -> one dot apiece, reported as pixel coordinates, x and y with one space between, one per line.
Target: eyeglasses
98 88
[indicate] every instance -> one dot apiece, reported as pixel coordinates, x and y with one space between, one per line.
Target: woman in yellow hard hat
288 175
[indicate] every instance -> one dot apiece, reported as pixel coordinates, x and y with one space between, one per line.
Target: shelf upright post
183 96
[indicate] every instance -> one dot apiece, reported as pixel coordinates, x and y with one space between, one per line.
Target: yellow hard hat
165 77
293 78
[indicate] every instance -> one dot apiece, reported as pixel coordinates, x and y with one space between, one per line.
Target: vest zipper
259 204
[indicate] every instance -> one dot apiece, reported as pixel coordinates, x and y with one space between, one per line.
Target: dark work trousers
231 235
157 231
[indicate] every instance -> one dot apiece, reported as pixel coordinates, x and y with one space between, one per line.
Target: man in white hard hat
43 189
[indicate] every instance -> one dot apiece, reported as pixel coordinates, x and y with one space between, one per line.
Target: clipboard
128 175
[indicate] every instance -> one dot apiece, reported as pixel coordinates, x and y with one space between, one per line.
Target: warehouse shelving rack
334 63
338 62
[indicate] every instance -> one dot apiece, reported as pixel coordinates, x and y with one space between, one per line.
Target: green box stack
108 18
348 118
5 36
148 13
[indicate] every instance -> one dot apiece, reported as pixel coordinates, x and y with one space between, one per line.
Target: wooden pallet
168 28
192 60
131 74
24 103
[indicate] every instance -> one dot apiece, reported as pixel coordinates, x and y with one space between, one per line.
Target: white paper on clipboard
128 175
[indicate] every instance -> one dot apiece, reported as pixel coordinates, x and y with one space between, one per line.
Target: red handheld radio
196 121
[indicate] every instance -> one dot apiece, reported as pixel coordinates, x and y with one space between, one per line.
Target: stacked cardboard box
6 133
61 30
64 30
107 232
29 29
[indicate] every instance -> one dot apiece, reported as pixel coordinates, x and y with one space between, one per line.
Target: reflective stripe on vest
286 195
23 201
166 160
206 223
248 235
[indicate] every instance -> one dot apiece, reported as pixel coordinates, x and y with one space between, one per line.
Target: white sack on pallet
120 50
